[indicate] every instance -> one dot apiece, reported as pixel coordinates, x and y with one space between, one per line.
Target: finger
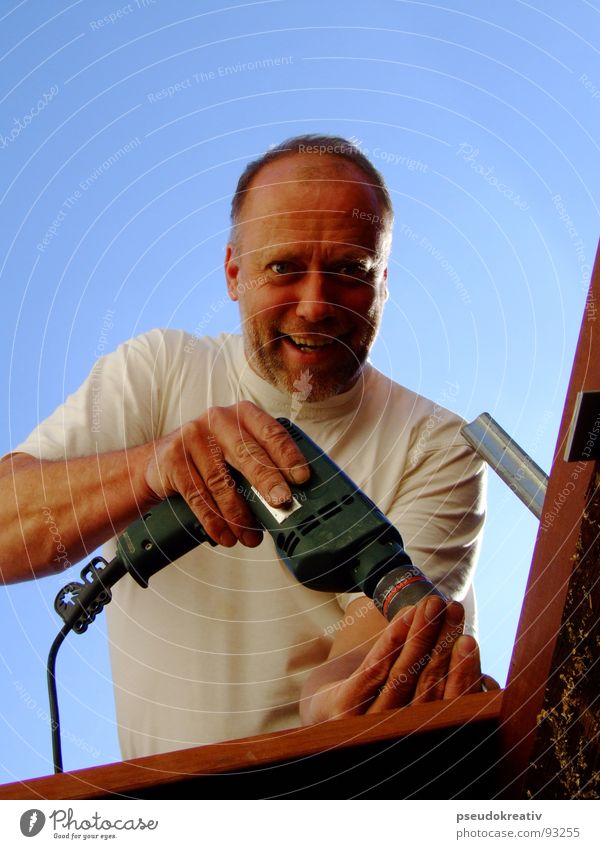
489 683
464 674
171 470
416 653
277 442
432 680
200 500
229 504
190 462
357 692
265 453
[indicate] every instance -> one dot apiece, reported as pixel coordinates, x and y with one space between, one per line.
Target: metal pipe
512 464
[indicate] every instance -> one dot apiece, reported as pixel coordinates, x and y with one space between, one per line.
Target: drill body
332 537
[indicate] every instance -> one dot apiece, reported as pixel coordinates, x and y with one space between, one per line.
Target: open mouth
309 343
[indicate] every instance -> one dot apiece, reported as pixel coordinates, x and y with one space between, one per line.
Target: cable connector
77 603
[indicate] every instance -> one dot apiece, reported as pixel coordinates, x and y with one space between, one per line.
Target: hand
421 656
192 461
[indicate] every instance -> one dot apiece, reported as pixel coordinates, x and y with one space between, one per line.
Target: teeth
308 342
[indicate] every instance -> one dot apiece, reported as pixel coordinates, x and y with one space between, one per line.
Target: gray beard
305 386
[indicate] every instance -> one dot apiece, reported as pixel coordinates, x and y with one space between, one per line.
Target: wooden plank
566 756
159 771
570 489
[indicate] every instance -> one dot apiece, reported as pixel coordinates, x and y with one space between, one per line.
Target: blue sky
123 128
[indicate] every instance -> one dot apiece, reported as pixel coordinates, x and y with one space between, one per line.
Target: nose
314 297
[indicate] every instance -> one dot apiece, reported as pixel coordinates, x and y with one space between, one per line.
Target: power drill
331 536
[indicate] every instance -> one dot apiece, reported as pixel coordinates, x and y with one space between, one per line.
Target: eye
355 270
281 267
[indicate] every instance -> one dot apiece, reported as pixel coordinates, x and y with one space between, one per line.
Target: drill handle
160 536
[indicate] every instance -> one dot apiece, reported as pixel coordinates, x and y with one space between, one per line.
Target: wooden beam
161 775
538 661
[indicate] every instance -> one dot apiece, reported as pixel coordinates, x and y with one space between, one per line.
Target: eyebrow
339 253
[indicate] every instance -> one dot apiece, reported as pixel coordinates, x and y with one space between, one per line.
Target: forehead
306 198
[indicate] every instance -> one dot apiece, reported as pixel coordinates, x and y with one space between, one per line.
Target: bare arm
56 512
72 506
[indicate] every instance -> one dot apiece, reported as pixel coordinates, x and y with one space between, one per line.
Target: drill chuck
401 587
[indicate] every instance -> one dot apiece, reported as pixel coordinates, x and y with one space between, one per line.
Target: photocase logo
32 822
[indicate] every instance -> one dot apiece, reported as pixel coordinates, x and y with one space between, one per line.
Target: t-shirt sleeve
117 406
439 509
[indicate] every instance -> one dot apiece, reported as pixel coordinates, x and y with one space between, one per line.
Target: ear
232 270
386 291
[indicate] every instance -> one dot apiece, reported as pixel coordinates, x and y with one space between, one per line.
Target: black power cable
155 540
53 699
78 603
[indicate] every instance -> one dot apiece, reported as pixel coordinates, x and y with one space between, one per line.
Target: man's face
309 272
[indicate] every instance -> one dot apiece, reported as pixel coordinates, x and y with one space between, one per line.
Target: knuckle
374 676
422 644
219 483
246 450
197 501
272 430
208 515
189 431
396 690
395 684
275 435
246 407
214 418
430 678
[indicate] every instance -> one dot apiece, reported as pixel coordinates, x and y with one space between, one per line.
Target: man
226 643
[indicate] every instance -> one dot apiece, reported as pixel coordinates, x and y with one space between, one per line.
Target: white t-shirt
220 643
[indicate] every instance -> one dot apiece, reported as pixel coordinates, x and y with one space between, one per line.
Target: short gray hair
313 144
